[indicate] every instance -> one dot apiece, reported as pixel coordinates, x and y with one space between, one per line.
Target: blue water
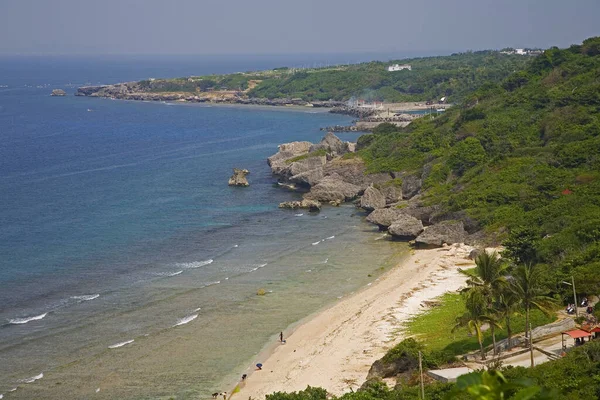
117 223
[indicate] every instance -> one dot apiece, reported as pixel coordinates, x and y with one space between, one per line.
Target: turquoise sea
128 267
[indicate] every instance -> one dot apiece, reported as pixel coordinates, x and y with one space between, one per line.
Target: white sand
336 348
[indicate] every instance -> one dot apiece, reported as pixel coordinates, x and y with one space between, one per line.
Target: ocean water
128 267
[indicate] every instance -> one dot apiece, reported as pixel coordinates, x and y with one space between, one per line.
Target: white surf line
117 345
19 321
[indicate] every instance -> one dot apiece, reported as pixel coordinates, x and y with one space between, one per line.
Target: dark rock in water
448 232
411 185
406 227
311 205
372 199
384 217
239 177
58 92
333 188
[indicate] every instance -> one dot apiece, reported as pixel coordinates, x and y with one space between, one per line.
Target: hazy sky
290 26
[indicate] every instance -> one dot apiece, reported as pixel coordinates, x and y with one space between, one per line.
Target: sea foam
330 237
196 264
86 297
116 346
186 320
18 321
33 378
316 243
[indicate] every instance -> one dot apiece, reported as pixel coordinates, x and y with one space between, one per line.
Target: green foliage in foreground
521 153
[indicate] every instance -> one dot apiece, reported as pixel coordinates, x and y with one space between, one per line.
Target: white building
398 67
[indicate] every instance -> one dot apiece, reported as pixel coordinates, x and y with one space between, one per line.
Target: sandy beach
336 348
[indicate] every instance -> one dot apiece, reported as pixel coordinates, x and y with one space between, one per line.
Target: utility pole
421 376
575 296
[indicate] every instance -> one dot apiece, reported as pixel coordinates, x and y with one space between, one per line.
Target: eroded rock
384 217
406 227
411 185
333 188
445 232
372 199
239 177
311 205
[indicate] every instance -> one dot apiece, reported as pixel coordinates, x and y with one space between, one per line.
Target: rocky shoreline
331 174
135 91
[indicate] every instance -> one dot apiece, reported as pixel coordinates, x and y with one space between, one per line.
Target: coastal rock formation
406 227
332 144
423 213
448 232
239 177
411 185
277 162
384 217
372 199
391 193
307 171
355 171
58 92
311 205
333 188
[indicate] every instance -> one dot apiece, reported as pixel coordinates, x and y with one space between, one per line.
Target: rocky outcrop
58 92
332 144
277 162
372 199
239 177
384 217
333 188
411 185
423 213
392 193
355 171
307 171
448 232
311 205
406 227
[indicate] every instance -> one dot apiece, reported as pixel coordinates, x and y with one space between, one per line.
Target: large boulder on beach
406 227
311 205
239 177
384 217
448 232
333 188
372 199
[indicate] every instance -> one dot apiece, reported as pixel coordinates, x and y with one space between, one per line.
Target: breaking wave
33 378
330 237
316 243
186 320
116 346
195 264
19 321
299 215
86 297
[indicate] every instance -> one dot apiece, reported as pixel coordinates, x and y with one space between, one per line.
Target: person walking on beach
281 337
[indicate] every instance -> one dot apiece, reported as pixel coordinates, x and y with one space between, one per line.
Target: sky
286 26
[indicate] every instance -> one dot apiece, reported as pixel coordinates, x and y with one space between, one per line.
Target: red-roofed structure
577 334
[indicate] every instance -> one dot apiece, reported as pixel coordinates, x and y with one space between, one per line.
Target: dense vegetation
521 153
520 159
430 79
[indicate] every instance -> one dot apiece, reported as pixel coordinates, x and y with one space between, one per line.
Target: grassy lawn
433 328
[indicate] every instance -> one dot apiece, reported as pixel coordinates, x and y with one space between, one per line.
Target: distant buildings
521 52
398 67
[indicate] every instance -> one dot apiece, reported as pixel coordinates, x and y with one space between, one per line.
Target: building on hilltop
398 67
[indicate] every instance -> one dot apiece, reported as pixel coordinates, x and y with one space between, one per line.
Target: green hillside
431 78
520 156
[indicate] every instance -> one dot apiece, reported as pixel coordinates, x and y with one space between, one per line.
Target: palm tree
475 316
508 304
526 283
489 280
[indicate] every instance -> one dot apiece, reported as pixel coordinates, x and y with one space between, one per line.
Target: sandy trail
336 348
